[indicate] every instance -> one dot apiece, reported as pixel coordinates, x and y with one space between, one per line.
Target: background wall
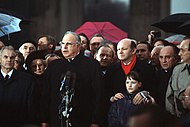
55 17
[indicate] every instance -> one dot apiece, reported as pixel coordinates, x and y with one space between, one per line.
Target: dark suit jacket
15 99
117 77
162 85
87 98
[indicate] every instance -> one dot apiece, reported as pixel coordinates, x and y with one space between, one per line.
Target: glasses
184 96
68 43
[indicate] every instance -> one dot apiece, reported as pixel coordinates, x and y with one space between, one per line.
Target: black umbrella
184 28
172 22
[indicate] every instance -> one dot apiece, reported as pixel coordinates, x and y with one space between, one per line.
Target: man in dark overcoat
126 52
86 108
15 91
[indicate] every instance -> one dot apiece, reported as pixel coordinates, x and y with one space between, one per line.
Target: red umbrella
107 29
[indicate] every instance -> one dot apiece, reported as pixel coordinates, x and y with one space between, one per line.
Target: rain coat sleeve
178 82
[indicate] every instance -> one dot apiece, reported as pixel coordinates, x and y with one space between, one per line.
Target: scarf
129 67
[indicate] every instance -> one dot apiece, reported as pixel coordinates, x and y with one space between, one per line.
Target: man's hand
117 97
142 97
138 99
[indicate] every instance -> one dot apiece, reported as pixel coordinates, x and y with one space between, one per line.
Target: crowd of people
93 82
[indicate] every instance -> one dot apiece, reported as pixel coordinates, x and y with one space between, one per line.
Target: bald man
126 52
168 58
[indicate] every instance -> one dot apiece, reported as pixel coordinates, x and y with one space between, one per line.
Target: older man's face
184 52
142 52
7 59
124 51
69 46
167 58
26 49
95 43
43 44
104 56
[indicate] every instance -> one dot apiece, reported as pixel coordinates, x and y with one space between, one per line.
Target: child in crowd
120 110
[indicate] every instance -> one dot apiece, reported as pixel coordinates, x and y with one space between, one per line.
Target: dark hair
134 75
19 54
39 54
98 35
105 45
51 40
165 42
84 35
146 43
108 42
133 44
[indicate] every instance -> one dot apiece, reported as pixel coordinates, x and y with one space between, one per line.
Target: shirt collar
184 67
4 74
126 63
71 59
129 61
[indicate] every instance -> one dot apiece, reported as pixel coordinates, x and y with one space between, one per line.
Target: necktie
6 77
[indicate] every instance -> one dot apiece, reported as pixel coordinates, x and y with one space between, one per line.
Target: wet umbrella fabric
8 24
184 28
175 39
107 29
171 23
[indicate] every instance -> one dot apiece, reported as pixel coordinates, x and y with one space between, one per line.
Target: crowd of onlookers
126 84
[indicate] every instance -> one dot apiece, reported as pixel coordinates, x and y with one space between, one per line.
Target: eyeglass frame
184 96
68 43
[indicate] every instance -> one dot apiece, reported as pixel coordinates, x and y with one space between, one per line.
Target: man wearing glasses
85 104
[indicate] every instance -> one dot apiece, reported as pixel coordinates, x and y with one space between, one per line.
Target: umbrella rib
2 31
97 29
103 27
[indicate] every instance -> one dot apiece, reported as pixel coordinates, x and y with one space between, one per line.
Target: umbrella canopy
172 22
184 28
106 29
175 39
8 24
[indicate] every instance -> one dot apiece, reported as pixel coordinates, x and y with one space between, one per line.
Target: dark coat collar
13 76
